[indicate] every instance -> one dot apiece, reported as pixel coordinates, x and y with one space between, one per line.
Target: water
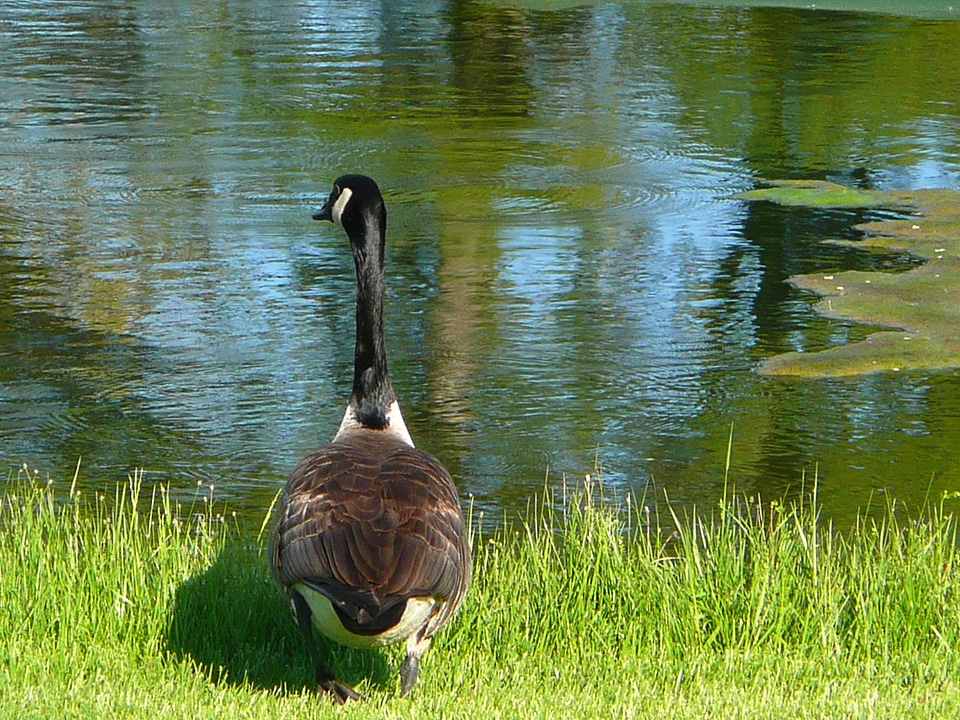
569 280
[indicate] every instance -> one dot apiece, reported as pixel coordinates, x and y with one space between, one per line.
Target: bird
370 543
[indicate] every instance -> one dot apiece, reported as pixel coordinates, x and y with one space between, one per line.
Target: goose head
356 205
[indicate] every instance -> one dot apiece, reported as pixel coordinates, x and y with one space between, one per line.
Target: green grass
127 605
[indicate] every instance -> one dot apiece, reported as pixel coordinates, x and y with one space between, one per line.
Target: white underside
328 623
395 424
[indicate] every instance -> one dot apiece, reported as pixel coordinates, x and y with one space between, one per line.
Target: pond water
569 280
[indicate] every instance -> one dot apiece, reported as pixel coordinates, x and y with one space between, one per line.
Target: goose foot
416 646
340 691
408 673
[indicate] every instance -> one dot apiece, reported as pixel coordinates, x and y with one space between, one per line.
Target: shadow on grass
233 622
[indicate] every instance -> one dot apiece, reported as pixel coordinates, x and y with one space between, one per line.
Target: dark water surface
568 278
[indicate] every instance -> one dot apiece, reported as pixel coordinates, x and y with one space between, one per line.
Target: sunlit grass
126 604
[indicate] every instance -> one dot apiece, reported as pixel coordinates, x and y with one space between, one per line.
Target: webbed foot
340 691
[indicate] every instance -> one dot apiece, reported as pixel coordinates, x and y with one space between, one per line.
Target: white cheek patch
340 205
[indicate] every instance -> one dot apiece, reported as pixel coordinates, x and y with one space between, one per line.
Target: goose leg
416 646
326 681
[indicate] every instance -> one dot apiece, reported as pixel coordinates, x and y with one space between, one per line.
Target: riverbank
126 605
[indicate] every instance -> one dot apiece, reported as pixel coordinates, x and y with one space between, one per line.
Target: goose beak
324 213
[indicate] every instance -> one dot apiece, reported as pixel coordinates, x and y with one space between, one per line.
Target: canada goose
370 541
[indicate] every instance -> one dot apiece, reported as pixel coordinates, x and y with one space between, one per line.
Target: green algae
818 194
920 308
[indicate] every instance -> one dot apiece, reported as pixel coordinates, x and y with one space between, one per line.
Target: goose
369 544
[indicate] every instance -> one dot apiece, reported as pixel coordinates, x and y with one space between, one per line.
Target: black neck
372 390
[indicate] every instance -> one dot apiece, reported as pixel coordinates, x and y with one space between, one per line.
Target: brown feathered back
370 522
